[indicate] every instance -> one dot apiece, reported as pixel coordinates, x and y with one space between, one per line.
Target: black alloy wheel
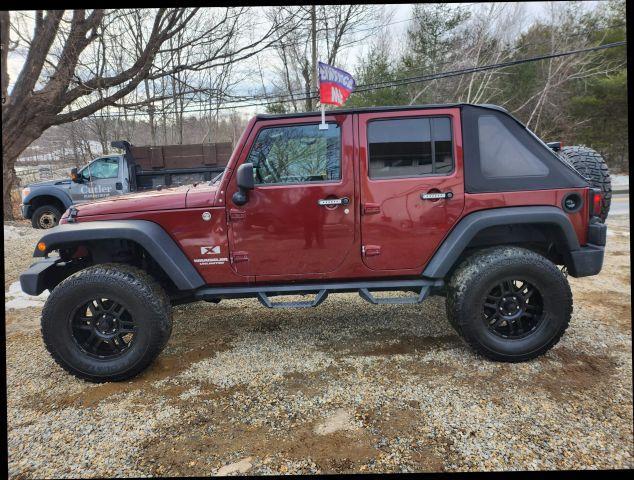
103 328
513 309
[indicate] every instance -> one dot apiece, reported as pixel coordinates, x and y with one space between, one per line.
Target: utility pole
313 18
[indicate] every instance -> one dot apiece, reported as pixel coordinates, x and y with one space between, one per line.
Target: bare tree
80 62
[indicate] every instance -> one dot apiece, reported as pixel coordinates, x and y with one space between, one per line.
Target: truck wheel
508 303
46 216
591 165
107 322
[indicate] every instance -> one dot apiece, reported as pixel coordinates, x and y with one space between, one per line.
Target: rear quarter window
503 155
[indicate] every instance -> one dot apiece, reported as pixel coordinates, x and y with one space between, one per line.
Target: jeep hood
164 199
191 196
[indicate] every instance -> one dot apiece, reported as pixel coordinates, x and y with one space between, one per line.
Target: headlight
25 192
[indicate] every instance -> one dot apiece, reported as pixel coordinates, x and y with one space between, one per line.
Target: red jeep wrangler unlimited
456 200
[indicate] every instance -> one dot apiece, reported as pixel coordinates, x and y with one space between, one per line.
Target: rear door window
503 155
410 147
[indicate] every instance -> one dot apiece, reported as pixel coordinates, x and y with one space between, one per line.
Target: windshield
101 168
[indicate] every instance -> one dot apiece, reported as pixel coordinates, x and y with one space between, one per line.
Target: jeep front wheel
46 216
509 303
106 323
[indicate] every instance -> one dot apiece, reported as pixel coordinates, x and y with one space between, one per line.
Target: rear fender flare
467 228
151 236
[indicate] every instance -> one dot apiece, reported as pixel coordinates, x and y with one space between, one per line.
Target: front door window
296 154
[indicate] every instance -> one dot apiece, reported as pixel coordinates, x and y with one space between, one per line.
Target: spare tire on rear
592 166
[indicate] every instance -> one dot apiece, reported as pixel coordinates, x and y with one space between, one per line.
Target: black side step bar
421 286
320 297
365 294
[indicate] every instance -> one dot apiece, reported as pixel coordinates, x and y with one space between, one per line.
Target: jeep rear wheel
46 216
592 166
509 303
106 323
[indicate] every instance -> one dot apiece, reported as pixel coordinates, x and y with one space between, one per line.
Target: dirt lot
341 388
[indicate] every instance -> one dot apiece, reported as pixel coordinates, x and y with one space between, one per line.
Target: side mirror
74 176
244 178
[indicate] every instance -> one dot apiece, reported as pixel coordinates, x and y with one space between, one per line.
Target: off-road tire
474 278
144 299
45 212
592 166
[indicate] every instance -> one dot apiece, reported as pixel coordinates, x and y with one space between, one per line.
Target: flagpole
323 125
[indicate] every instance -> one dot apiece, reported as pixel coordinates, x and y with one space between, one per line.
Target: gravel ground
346 387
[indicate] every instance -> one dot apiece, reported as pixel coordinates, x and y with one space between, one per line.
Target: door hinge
237 257
371 208
235 215
371 250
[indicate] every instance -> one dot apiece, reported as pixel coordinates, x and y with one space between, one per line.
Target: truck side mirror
244 178
74 176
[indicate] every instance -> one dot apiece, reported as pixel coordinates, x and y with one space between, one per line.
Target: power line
416 79
301 95
454 73
511 49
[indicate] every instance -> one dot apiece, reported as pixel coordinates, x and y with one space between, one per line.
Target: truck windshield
101 168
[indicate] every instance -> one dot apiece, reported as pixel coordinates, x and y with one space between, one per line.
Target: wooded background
173 76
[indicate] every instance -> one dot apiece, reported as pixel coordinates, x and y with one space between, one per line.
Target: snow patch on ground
12 233
243 466
620 181
339 420
15 298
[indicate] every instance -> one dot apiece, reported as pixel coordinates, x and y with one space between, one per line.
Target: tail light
597 203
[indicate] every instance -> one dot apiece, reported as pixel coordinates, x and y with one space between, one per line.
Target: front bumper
27 211
47 274
33 281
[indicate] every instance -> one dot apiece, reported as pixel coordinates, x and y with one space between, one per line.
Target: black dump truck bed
172 165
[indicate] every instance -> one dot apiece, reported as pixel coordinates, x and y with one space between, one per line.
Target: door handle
436 195
326 202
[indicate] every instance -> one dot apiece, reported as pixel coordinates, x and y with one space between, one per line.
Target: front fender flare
50 191
151 236
467 228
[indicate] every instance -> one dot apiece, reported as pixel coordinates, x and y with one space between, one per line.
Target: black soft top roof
272 116
559 174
